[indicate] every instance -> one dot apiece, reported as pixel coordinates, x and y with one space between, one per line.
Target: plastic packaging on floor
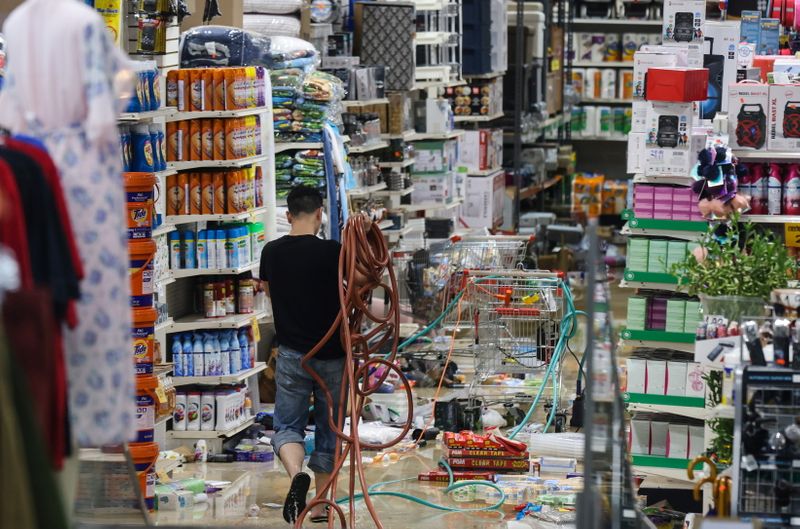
374 432
569 444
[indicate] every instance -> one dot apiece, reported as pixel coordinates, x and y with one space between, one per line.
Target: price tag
162 397
792 234
256 331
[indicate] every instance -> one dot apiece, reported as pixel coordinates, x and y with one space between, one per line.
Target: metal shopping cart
430 278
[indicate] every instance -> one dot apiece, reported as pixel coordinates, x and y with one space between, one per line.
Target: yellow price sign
256 331
792 234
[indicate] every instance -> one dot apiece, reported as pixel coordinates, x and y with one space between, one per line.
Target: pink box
681 216
663 192
643 213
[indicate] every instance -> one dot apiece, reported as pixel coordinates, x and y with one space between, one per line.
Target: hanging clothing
77 125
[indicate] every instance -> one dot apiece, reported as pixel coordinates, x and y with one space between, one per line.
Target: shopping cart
430 278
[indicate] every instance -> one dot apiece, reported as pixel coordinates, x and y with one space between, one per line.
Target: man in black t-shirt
301 273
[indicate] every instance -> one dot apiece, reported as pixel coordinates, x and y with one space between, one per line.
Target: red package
497 454
440 476
475 463
489 441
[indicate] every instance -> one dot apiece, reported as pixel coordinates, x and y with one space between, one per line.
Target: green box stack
638 251
676 253
637 313
676 315
692 316
657 260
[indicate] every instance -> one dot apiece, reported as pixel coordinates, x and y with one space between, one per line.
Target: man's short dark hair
303 199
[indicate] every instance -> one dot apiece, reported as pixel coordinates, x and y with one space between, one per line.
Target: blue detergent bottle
189 250
236 353
197 354
244 347
208 354
188 356
217 354
177 356
142 143
225 353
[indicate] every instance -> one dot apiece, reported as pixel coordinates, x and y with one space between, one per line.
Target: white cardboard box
695 385
432 188
748 105
676 379
678 441
483 204
671 146
683 21
784 117
476 152
643 61
724 38
658 438
656 377
639 437
697 443
637 372
636 152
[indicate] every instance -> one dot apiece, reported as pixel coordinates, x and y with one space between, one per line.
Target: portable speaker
791 119
684 27
667 131
715 64
751 126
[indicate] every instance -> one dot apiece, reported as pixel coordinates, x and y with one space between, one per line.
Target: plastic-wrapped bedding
272 25
273 7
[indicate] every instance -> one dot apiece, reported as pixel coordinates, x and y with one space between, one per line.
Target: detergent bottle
202 249
225 353
758 187
236 352
244 347
217 354
791 190
774 189
177 356
200 366
208 354
188 355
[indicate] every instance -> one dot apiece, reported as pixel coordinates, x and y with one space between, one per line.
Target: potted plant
734 274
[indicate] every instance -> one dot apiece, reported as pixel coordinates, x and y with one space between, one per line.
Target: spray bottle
200 359
217 354
177 356
208 354
791 190
225 353
236 353
745 186
758 188
774 189
188 356
244 348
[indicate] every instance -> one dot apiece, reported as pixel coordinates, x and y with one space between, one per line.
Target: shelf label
792 234
256 331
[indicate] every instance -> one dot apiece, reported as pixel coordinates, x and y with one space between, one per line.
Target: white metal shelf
485 172
165 173
200 164
282 146
392 193
432 206
649 232
165 279
394 235
408 162
222 379
767 156
653 344
216 114
196 272
684 411
150 115
221 217
610 101
478 119
599 138
453 134
771 219
166 324
196 322
211 434
405 135
672 474
367 190
616 22
666 287
602 64
678 180
364 103
360 149
432 38
490 75
164 229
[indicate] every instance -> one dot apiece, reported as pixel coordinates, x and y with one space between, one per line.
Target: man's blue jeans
292 399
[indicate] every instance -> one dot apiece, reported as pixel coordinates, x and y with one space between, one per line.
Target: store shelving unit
676 229
211 434
198 322
223 379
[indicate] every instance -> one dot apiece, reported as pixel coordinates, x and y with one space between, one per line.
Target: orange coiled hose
362 262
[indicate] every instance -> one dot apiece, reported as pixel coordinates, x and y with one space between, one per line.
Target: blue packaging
189 253
203 356
177 356
188 355
231 249
162 154
202 249
152 85
244 348
750 27
142 158
768 38
125 145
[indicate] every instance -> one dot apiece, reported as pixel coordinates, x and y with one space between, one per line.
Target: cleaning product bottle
153 129
200 367
222 260
217 354
791 190
177 356
244 347
188 355
142 150
202 249
189 250
744 186
208 354
175 250
225 353
236 352
207 415
758 187
774 189
211 249
231 252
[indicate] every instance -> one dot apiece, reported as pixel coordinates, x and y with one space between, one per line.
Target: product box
750 27
720 59
639 116
643 61
748 127
676 379
678 441
435 156
683 21
637 313
639 437
658 438
638 253
175 500
784 117
697 443
608 83
784 70
692 317
656 377
508 465
695 385
433 188
637 373
676 84
636 152
657 260
768 37
440 476
496 454
671 146
473 147
483 204
676 315
676 252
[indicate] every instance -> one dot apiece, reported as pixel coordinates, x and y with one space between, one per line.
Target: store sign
792 234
